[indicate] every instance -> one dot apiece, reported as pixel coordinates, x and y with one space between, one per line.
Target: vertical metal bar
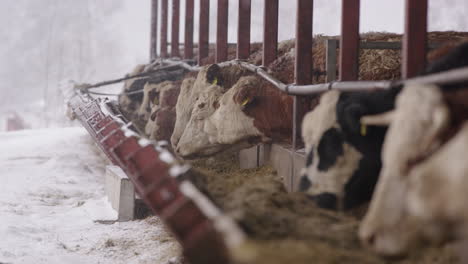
175 28
270 32
302 72
243 29
331 46
222 31
349 46
204 31
188 37
154 30
415 38
164 18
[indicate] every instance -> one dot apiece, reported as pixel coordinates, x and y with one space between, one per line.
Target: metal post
188 38
164 19
303 70
270 32
204 31
175 28
222 31
349 46
415 38
331 46
154 30
243 29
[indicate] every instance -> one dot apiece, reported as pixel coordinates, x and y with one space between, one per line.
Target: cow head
209 77
162 117
219 120
421 116
343 155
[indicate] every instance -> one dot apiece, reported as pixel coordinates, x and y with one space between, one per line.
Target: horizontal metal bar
443 78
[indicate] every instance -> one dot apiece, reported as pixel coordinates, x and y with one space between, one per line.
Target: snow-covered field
52 198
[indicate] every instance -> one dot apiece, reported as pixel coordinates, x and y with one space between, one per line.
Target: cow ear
213 75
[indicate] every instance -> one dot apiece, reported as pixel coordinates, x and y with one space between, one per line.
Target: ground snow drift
51 194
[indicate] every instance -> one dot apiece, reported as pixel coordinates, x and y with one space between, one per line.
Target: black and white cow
343 153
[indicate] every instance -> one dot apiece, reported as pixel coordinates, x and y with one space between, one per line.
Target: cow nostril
371 240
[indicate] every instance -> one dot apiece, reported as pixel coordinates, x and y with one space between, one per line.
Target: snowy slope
51 194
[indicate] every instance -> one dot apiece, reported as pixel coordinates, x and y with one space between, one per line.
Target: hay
286 227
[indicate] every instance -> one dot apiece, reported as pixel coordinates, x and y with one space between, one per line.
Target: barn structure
173 190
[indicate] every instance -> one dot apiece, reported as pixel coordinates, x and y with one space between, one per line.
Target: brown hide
164 116
270 108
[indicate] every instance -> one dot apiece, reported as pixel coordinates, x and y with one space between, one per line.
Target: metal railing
414 46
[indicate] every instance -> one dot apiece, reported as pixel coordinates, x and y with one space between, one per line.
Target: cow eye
202 105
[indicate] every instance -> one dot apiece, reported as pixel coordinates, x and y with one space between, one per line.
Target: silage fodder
374 64
286 227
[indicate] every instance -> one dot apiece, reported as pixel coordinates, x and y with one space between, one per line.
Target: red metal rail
188 37
204 233
175 28
164 18
222 31
154 31
204 31
243 29
349 47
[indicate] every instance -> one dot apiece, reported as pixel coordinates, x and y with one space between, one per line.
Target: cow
342 153
423 169
211 80
161 122
249 113
129 103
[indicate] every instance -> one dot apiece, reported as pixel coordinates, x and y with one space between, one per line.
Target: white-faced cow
228 108
130 103
343 154
250 112
160 125
421 193
423 163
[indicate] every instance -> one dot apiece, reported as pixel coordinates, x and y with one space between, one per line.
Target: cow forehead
321 119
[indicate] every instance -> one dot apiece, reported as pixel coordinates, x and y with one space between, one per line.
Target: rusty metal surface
164 21
175 28
188 35
302 71
331 46
414 38
270 31
160 180
222 31
349 44
154 31
243 29
204 30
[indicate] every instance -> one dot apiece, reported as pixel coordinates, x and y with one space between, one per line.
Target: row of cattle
407 142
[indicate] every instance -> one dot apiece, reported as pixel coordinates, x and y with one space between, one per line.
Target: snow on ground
52 194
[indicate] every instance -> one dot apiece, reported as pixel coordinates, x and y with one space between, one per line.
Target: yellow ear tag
156 101
363 130
246 101
215 81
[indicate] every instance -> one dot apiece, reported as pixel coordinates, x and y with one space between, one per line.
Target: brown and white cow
130 103
192 135
250 112
422 163
161 122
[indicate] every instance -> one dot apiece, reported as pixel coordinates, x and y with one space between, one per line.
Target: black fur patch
304 184
329 149
326 200
310 158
